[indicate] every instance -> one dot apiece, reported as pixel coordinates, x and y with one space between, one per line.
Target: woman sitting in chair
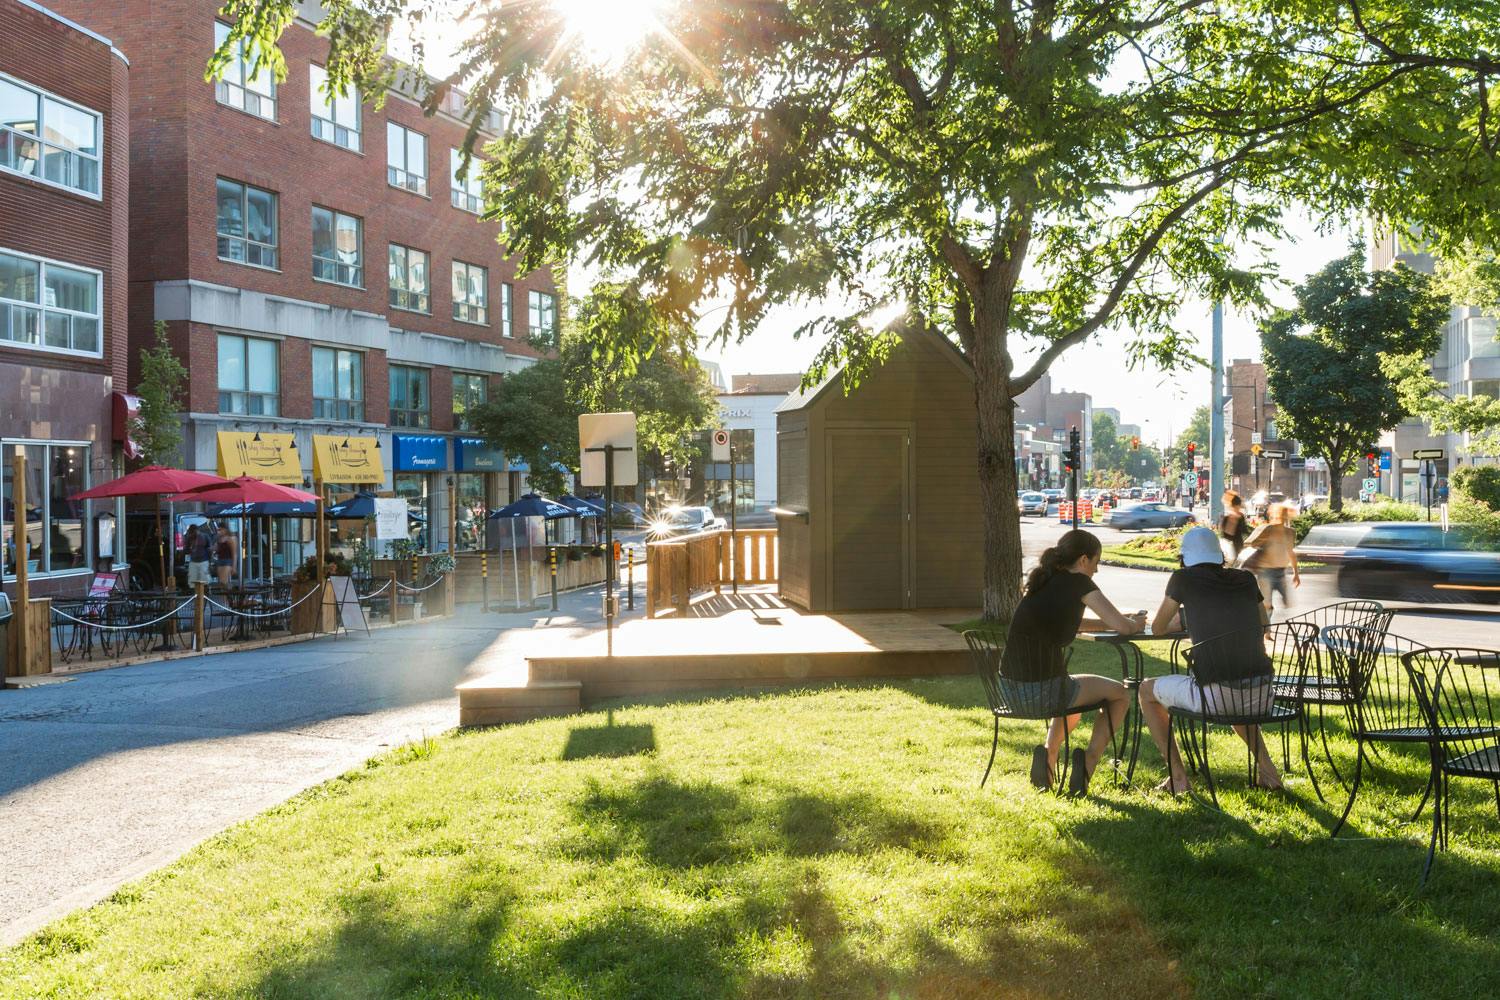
1223 612
1034 670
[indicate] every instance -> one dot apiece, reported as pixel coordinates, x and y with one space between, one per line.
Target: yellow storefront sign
353 460
271 458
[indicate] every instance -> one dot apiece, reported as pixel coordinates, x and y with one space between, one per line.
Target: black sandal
1041 774
1078 777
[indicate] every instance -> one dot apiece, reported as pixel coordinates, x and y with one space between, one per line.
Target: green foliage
158 428
439 563
1480 483
1023 176
1470 275
1327 359
1110 449
1384 511
617 353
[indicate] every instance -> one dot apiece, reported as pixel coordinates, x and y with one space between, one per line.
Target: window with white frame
253 92
338 384
56 539
247 224
542 316
405 158
335 117
49 305
47 138
507 309
338 247
249 376
469 391
467 185
471 300
410 286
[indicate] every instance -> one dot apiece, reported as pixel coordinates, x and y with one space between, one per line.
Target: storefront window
472 508
55 538
413 487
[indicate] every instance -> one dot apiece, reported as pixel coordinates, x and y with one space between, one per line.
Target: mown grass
822 843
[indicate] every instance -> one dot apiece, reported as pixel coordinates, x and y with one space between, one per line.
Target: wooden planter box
306 616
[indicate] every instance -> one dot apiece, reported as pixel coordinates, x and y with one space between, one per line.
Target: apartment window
410 406
251 92
249 376
471 292
543 317
247 224
47 138
55 539
338 247
405 158
335 117
49 305
467 186
410 287
469 391
507 309
338 384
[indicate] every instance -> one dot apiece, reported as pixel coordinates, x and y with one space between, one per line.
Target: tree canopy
1024 174
158 426
1327 359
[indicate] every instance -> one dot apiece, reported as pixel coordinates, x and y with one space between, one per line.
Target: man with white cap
1213 602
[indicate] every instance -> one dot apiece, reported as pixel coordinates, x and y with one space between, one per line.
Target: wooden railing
679 568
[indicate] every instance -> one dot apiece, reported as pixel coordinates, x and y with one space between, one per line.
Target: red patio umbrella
245 490
152 480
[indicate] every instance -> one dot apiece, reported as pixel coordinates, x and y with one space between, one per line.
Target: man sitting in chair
1213 602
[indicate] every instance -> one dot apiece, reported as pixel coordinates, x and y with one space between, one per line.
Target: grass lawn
821 843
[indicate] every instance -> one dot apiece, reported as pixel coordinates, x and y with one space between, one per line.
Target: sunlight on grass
827 843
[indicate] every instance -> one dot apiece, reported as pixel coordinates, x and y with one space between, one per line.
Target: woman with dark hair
1234 526
1034 671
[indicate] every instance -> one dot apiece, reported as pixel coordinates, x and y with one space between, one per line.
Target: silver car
1032 503
1141 516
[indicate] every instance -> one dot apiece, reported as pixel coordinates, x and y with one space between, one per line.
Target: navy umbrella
535 505
580 506
362 504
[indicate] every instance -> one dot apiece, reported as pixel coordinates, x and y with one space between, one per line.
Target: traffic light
1372 463
1192 451
1135 444
1073 457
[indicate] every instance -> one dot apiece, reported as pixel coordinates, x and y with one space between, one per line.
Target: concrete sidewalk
109 775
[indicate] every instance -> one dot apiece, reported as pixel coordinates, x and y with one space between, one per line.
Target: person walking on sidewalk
1234 526
200 550
1275 551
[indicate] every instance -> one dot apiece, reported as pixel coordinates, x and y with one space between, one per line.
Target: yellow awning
272 458
354 460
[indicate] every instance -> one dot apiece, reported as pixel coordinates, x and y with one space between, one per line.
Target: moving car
1032 503
1150 514
686 521
1408 561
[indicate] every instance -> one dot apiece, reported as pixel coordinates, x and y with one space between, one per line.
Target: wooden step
488 701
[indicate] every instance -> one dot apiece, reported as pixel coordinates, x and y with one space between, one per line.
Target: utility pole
1216 421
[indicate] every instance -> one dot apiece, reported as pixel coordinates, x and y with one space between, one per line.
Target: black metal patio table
1132 669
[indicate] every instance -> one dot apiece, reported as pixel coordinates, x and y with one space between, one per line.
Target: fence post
395 597
630 575
200 633
552 566
484 579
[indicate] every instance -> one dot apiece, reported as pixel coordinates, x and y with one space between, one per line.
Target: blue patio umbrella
580 506
530 505
362 504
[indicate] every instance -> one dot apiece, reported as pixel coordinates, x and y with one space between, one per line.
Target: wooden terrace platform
742 648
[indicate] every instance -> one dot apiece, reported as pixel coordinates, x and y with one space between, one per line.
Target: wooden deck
742 648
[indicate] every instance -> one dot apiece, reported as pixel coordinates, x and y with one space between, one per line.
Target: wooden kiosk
878 490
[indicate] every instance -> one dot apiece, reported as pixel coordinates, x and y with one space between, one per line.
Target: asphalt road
1137 589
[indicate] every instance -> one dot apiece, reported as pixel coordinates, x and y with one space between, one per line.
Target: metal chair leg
994 745
1426 794
1306 759
1359 759
1208 771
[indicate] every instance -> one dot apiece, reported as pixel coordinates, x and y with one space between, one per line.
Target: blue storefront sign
1385 461
473 455
419 452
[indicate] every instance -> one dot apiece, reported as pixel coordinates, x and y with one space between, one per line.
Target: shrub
1479 482
1388 510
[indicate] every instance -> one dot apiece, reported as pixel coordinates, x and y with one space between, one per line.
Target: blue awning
474 455
419 452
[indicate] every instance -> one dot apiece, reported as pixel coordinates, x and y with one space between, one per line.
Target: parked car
677 521
1032 503
1408 561
1134 493
1148 514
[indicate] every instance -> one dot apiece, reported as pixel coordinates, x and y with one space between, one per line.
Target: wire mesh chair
1009 698
1340 613
1327 681
1243 702
1383 709
1458 690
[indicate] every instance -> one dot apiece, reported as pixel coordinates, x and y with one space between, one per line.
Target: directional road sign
721 446
1428 454
1273 453
1370 486
1296 462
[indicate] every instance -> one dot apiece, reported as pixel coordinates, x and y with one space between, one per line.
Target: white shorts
1181 691
197 572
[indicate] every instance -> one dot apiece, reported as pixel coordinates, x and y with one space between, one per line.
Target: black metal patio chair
1340 613
1458 690
1382 706
1246 703
1011 700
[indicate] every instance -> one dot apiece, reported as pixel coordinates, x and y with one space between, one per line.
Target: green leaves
158 430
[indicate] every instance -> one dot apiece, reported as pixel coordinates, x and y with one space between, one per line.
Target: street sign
721 446
1369 486
1296 462
1255 447
1273 453
1428 454
1385 461
1255 437
597 431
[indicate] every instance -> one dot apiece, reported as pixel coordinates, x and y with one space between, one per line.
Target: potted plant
442 566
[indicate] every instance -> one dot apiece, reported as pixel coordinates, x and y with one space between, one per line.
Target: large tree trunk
997 487
1335 483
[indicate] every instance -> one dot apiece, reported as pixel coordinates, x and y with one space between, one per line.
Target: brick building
64 184
1051 415
321 268
1252 412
